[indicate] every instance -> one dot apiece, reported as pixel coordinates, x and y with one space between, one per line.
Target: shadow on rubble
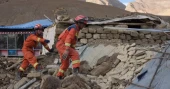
70 82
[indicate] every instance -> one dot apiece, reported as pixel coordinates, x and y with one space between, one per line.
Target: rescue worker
28 52
66 46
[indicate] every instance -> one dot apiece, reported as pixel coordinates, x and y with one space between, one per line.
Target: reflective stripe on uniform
21 69
60 70
75 61
76 34
67 44
38 39
35 64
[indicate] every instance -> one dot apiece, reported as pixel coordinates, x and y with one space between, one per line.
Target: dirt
3 1
8 77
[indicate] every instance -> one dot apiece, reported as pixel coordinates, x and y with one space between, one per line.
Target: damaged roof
130 18
26 26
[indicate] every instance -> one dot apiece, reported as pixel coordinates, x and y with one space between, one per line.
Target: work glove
75 71
51 50
47 41
65 54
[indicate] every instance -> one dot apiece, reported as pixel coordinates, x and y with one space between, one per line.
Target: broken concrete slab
123 58
52 66
34 75
28 83
102 59
131 52
140 57
139 69
2 76
23 81
102 69
124 71
117 70
139 53
35 85
132 48
11 86
133 45
84 67
51 71
10 76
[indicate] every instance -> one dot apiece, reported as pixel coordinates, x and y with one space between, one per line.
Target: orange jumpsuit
27 49
67 39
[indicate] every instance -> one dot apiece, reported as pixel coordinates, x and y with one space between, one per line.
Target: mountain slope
21 11
157 7
115 3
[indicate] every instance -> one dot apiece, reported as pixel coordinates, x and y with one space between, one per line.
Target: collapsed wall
97 29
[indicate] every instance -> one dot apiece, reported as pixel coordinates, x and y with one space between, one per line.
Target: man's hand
65 54
51 50
47 41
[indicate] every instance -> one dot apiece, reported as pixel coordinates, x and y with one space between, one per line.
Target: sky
125 2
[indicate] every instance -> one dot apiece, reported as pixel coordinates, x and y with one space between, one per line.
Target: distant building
12 37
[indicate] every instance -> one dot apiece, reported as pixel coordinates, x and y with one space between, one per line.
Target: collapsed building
112 52
128 29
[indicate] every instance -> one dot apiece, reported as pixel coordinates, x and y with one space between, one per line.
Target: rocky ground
114 72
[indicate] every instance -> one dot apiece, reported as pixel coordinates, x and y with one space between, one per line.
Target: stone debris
23 81
106 74
34 75
108 70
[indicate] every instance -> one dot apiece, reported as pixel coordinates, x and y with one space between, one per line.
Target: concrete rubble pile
7 74
110 72
118 71
8 69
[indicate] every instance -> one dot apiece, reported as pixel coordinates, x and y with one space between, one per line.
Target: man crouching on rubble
66 46
27 49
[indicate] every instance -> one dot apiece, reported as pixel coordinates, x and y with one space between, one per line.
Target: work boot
76 70
60 77
20 74
39 68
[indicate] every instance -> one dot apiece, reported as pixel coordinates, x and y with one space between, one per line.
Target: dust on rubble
6 76
110 72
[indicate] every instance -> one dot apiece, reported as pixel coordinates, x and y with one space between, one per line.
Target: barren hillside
21 11
157 7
